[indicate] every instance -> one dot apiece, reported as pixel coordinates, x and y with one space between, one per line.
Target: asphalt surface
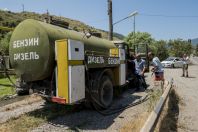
187 89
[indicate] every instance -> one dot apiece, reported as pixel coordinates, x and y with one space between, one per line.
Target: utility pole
23 8
48 17
134 14
134 27
110 19
134 33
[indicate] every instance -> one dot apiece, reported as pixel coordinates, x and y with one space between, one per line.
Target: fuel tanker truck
66 66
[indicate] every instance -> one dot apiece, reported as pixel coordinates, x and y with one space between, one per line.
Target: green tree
138 38
4 43
196 50
160 48
179 47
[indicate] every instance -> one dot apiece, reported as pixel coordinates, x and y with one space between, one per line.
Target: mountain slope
12 19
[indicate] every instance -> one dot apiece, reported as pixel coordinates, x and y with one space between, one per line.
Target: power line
161 15
142 14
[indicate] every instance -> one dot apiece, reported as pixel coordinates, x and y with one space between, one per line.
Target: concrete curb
155 113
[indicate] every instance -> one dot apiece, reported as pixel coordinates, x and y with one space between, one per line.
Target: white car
172 62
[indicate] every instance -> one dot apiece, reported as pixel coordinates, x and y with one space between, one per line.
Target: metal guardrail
148 126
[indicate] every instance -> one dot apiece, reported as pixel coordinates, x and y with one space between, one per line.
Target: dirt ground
133 118
81 119
90 120
187 89
16 109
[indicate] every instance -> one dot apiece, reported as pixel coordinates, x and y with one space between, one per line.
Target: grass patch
137 124
6 90
33 119
140 119
23 124
154 98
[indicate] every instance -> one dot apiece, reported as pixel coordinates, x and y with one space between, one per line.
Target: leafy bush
196 50
178 47
4 43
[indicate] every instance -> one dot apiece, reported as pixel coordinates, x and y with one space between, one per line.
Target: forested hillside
12 19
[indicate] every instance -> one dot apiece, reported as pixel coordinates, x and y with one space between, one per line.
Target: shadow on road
190 77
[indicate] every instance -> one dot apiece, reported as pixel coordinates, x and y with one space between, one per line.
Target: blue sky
94 13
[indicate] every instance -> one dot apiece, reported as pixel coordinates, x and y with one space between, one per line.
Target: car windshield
170 59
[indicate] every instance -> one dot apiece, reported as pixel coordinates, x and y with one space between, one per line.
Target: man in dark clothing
136 79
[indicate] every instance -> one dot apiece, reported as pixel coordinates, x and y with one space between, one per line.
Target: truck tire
19 90
106 91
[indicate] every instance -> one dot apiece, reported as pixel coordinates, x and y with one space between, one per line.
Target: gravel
90 120
82 119
16 109
187 89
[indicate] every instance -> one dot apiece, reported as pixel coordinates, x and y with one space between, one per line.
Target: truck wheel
106 92
20 92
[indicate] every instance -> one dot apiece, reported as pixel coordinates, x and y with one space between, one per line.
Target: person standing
185 65
157 66
140 65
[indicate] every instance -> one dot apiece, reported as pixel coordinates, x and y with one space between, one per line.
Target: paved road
194 60
187 88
